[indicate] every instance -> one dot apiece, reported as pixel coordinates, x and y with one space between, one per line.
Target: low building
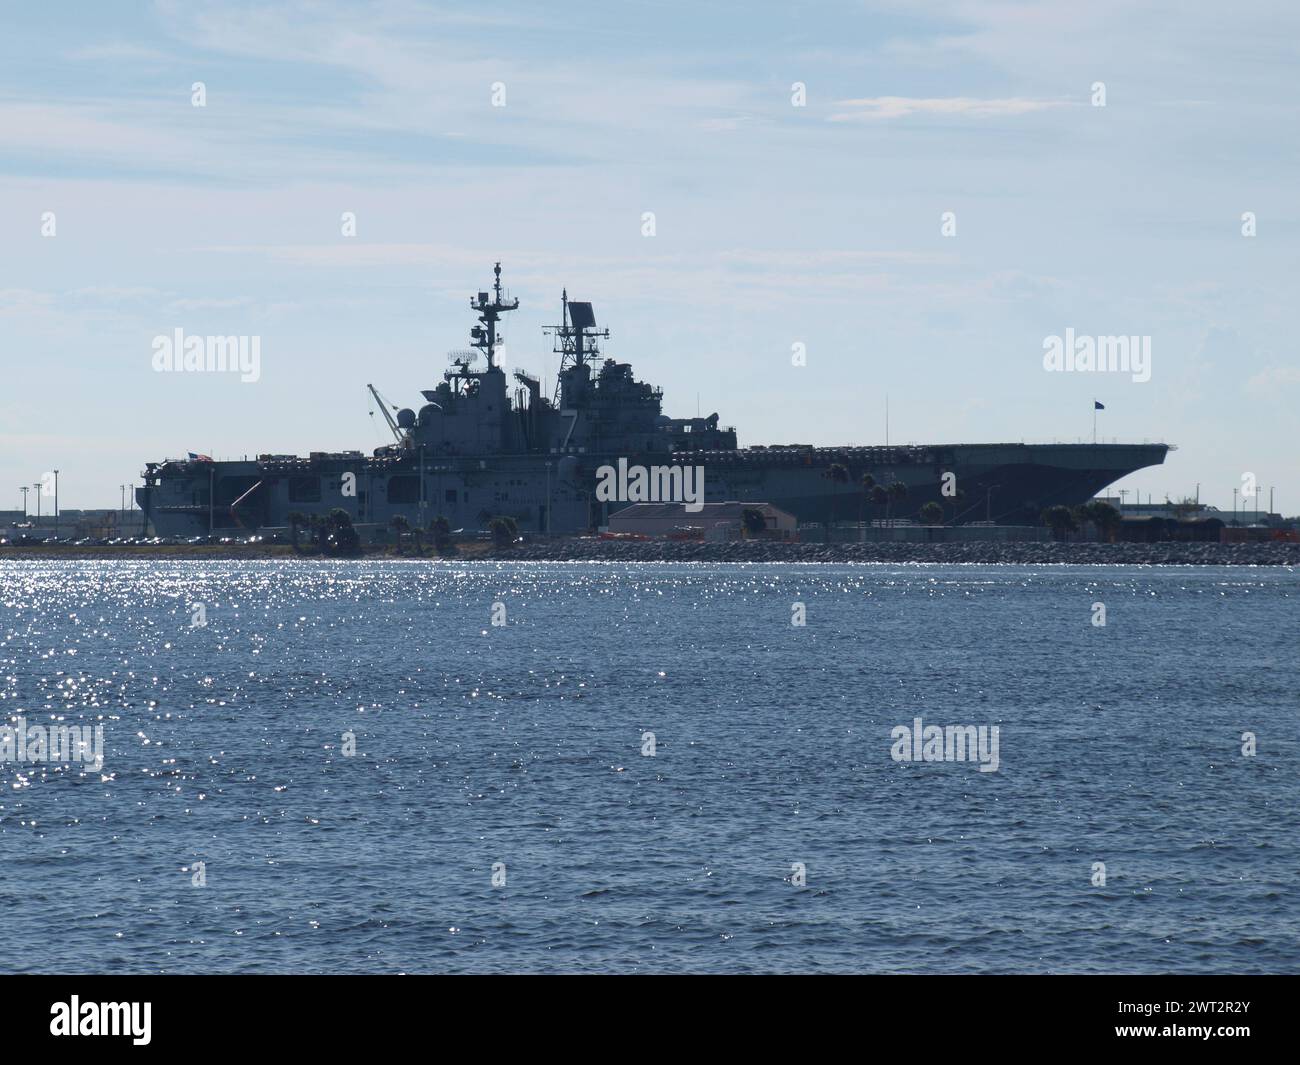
713 521
1188 520
1157 529
1189 510
75 523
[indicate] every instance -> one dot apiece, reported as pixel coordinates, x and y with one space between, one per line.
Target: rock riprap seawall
1078 554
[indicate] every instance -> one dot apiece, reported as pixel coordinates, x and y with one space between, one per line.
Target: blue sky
775 224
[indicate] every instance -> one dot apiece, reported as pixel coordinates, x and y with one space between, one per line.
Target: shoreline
596 550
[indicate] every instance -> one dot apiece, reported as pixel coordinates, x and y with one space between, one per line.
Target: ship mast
575 336
485 336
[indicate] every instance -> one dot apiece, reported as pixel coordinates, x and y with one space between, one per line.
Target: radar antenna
575 336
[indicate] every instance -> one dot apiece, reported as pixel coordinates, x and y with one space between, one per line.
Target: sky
457 135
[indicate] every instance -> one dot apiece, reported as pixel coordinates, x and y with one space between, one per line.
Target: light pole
1234 507
56 504
121 488
37 486
24 489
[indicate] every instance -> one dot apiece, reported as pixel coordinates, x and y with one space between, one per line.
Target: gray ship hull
1006 483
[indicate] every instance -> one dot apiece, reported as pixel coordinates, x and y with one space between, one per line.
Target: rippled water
522 744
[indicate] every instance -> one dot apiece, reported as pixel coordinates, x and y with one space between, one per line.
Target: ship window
304 489
403 489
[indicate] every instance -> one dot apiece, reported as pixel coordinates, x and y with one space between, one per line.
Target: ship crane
383 409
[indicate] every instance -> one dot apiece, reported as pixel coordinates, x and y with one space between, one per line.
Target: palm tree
341 538
399 525
504 530
440 530
879 497
868 483
836 473
1060 520
296 519
897 493
1105 517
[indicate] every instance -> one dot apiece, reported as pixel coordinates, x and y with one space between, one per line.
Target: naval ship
482 446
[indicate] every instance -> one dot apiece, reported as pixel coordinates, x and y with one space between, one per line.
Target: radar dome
406 418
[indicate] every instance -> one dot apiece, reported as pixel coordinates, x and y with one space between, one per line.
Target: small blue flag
1097 406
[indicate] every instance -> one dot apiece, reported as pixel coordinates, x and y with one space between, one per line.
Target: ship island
482 446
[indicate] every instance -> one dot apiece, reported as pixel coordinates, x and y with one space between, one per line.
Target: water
521 745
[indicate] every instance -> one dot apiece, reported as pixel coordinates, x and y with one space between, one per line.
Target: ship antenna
485 337
575 337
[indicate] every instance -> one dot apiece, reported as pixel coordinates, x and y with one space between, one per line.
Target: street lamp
38 486
24 489
56 504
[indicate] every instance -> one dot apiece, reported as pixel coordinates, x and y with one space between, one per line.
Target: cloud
119 52
24 301
754 277
1268 381
210 304
885 107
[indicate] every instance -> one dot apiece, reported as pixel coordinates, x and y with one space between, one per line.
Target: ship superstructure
480 446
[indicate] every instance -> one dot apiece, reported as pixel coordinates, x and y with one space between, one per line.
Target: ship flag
199 458
1098 406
